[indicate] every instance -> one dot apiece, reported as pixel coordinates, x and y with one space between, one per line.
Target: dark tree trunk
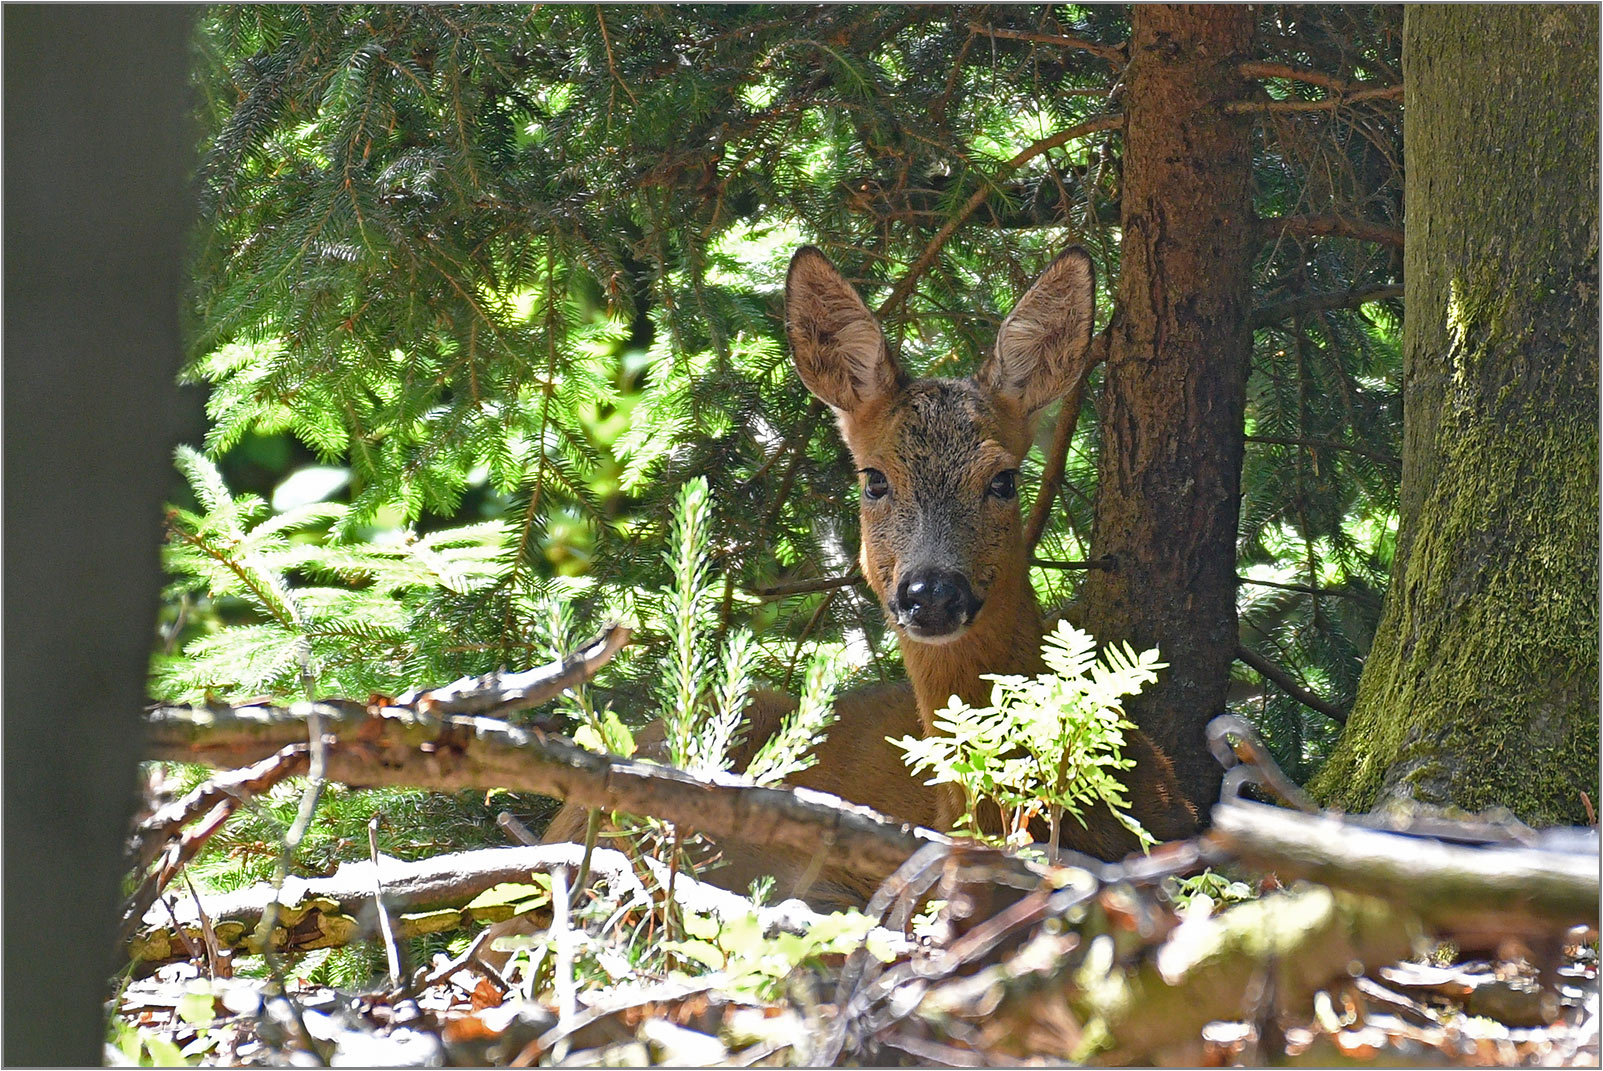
98 147
1482 684
1168 497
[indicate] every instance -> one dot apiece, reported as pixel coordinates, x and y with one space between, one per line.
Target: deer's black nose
934 602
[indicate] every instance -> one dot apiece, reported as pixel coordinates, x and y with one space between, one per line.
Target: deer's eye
1003 484
875 486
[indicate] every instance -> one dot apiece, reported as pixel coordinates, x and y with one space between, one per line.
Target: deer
942 548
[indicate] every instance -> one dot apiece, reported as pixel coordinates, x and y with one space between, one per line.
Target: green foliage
345 633
753 964
144 1048
523 265
1045 745
1210 888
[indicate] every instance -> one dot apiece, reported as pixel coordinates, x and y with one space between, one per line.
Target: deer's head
939 458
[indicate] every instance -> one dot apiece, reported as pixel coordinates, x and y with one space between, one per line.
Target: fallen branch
397 746
428 896
1468 892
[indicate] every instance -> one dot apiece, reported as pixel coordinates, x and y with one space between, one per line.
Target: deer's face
938 459
938 468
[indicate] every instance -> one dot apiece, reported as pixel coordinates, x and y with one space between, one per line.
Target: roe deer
942 547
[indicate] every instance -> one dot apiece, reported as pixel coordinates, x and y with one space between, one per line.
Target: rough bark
1172 408
1482 684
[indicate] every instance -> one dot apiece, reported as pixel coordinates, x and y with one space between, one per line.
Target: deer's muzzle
934 604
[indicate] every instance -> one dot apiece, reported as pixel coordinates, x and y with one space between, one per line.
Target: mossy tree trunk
1172 408
1482 684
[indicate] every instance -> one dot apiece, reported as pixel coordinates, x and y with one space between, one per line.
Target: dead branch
1332 101
1113 54
428 896
977 198
1286 72
1057 455
179 852
397 746
1330 227
1265 315
501 693
1469 892
1288 684
808 587
165 823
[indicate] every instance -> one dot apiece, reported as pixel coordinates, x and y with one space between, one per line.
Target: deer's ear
837 345
1044 345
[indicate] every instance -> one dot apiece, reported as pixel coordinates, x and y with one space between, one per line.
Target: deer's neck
1004 638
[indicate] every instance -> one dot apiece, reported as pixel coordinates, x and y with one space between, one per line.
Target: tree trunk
96 216
1482 684
1168 497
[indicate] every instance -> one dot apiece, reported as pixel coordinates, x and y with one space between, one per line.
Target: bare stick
161 826
1331 227
214 950
392 951
1334 100
808 587
977 198
1058 454
1265 315
1474 891
179 852
500 693
1288 684
562 937
1287 72
1113 54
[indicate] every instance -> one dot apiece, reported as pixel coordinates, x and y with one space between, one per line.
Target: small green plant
706 686
758 965
1219 890
1046 745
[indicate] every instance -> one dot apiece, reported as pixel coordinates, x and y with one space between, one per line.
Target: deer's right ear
839 350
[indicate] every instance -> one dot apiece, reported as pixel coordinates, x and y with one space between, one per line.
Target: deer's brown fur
942 547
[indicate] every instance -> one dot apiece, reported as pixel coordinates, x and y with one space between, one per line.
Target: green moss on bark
1482 685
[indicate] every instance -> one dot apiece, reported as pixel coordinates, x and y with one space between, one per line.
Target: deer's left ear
1044 345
